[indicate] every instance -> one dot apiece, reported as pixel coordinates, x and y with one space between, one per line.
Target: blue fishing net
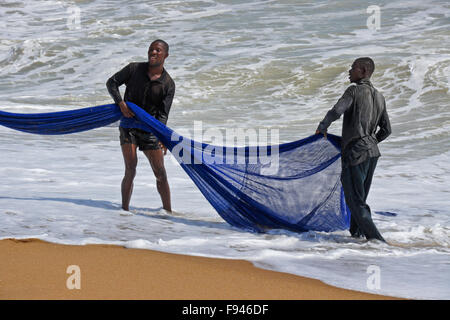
294 186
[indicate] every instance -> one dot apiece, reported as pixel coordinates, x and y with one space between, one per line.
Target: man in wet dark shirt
364 110
149 86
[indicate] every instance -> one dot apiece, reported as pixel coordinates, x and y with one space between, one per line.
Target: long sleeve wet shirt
364 110
154 96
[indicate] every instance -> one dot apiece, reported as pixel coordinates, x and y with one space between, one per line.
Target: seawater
275 65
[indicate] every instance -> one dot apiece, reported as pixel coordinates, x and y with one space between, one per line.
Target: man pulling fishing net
364 110
150 87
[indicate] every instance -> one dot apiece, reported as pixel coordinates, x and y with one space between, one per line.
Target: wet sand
34 269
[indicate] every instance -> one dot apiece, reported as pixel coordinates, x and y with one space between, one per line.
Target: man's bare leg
156 159
130 159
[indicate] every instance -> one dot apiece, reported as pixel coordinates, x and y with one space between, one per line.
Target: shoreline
34 269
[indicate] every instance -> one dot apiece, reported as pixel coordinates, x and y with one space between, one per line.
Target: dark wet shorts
143 139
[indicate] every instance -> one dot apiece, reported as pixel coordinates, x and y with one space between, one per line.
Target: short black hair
367 63
165 44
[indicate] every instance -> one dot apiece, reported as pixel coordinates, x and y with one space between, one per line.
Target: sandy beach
34 269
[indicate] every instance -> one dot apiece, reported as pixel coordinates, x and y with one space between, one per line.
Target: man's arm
113 85
335 113
163 113
385 126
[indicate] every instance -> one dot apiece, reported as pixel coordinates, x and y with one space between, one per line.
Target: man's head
361 68
157 53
